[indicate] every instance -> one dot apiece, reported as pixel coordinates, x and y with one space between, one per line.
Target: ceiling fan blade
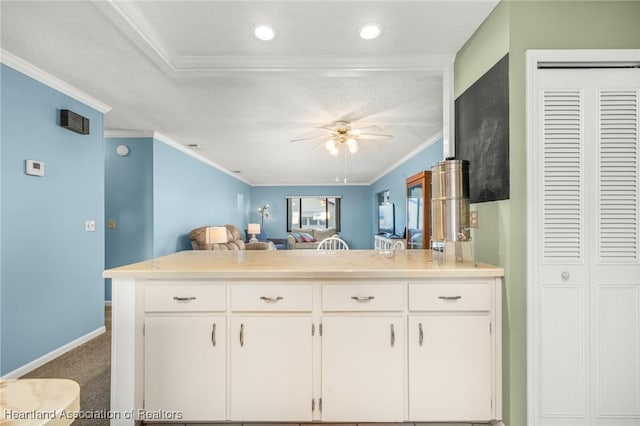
359 129
307 139
374 136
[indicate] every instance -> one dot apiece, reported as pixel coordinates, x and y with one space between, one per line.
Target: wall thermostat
122 150
34 168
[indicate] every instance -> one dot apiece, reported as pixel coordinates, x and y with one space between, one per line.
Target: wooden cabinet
271 368
185 367
271 352
451 325
363 352
362 368
461 392
353 350
419 210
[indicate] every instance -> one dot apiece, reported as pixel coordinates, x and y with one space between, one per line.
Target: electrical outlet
112 224
90 225
473 219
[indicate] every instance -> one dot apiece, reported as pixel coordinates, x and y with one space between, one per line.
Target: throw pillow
307 238
297 237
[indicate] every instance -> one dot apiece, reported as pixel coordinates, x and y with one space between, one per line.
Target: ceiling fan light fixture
330 145
333 151
352 145
264 33
370 31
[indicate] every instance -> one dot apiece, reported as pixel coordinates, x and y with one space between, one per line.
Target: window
313 212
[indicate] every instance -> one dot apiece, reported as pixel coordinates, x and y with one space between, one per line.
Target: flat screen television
386 219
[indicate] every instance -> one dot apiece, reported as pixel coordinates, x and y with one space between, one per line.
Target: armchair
234 241
279 243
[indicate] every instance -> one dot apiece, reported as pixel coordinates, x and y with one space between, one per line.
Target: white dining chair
333 243
398 245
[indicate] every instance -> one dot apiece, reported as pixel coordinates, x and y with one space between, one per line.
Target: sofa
280 243
297 241
235 241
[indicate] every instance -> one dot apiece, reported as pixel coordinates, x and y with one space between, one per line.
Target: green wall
515 27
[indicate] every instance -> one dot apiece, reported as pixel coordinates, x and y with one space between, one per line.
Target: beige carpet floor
90 366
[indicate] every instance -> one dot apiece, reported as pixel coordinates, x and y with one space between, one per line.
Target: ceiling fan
342 133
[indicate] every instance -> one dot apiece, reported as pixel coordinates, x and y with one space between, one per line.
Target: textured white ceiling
194 72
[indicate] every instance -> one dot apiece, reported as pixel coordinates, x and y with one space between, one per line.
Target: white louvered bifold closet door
587 290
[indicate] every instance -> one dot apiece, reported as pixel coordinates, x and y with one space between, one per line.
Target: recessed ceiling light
264 33
370 31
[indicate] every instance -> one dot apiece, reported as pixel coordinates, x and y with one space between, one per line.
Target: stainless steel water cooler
451 234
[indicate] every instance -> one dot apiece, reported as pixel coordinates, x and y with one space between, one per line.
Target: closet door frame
535 59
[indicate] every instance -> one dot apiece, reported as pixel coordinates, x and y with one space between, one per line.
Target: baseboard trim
21 371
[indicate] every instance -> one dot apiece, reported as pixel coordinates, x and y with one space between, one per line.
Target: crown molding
327 64
313 184
127 17
168 141
115 134
172 143
410 155
26 68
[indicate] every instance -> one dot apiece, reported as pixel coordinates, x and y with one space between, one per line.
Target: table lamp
253 229
216 235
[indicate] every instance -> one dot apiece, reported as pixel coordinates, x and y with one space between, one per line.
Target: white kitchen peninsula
302 336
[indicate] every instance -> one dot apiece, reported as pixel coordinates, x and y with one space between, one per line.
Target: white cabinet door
185 366
362 368
584 257
271 368
450 368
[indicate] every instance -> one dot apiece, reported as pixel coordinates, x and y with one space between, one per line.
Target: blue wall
51 284
355 204
188 193
129 202
395 182
359 203
157 194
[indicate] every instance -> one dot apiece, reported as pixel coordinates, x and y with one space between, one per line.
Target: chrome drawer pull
184 299
213 334
241 335
449 297
421 337
363 298
393 336
271 299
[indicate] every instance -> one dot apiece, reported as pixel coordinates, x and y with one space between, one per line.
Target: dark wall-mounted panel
74 122
482 133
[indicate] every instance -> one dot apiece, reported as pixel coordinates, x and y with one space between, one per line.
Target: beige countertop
283 264
38 402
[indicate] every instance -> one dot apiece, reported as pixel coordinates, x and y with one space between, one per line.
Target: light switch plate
34 168
90 225
473 219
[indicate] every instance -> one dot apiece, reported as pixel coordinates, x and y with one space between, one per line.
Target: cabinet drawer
184 297
271 297
362 297
449 297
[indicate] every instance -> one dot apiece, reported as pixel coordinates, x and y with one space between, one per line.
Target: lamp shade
216 235
253 228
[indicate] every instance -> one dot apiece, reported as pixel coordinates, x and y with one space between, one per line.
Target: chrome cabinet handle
213 334
421 337
184 299
363 298
449 297
393 336
271 298
241 335
565 276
